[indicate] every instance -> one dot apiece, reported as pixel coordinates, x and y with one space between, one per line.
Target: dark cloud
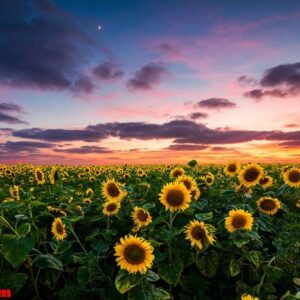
10 108
181 131
221 149
198 115
168 48
282 81
292 125
21 146
215 103
107 71
258 94
291 144
186 147
41 46
85 150
148 76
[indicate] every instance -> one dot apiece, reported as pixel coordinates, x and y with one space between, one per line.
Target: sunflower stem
77 239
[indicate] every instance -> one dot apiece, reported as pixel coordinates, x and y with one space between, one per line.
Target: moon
99 27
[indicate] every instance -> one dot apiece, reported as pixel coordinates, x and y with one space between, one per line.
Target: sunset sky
109 82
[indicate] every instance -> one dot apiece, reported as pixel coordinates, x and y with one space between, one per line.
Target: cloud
280 81
85 150
215 103
148 76
291 125
186 147
42 47
291 144
197 115
7 118
245 80
107 71
21 146
181 131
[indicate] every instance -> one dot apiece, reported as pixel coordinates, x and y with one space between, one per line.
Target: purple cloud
7 118
215 103
186 147
85 150
107 71
197 115
148 76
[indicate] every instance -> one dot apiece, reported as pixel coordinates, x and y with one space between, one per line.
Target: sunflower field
151 231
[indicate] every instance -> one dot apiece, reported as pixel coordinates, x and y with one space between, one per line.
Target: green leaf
208 264
152 276
254 257
234 267
47 261
171 272
21 217
24 229
192 163
204 216
148 292
126 281
13 281
15 249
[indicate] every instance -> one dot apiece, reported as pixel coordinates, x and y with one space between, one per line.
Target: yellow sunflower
209 179
298 203
89 192
112 190
198 234
268 205
111 208
188 181
58 229
266 182
141 217
134 254
238 219
177 171
175 196
250 174
195 193
53 176
248 297
231 168
14 192
39 176
140 173
292 177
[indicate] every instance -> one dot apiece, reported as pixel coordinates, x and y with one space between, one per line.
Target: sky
114 82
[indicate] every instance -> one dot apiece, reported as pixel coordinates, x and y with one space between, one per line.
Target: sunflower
111 208
112 190
209 179
268 205
292 177
198 234
250 174
188 181
134 254
195 193
14 192
141 217
89 192
266 181
140 173
177 171
175 196
238 219
58 229
298 203
248 297
53 176
87 201
231 168
39 176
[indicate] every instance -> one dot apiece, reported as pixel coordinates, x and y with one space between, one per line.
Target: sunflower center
142 216
264 180
111 207
113 190
177 173
232 168
251 174
187 183
134 254
39 176
294 176
238 222
175 197
268 205
59 228
198 233
209 179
